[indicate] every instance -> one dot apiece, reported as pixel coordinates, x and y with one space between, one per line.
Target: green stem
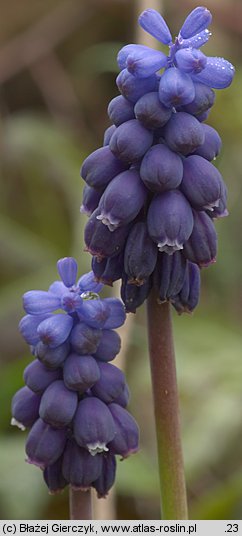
80 504
166 406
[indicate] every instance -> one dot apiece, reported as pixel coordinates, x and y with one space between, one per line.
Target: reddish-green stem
80 504
166 406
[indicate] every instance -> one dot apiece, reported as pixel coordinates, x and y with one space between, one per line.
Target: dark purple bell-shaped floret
90 199
109 345
117 314
130 141
190 60
79 468
201 183
37 302
203 100
54 478
221 210
132 88
170 276
37 377
122 200
108 270
201 248
67 269
170 221
151 112
132 295
94 313
84 340
197 21
108 134
126 438
188 298
161 169
55 330
28 326
80 372
107 477
176 88
25 408
120 110
52 358
58 405
184 133
93 425
110 384
153 23
44 444
211 146
100 167
102 242
140 254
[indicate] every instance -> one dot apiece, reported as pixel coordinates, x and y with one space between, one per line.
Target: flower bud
108 270
120 110
132 295
130 141
122 200
58 288
94 313
67 269
117 314
175 226
190 60
211 146
79 468
152 22
151 112
44 444
102 242
25 408
161 169
100 167
184 133
171 270
109 345
221 210
196 22
90 200
201 248
124 398
37 377
88 283
52 358
107 477
140 60
126 438
84 340
28 327
55 329
58 405
37 302
102 429
140 254
218 73
196 41
108 134
176 88
110 384
54 478
80 372
201 183
133 88
203 100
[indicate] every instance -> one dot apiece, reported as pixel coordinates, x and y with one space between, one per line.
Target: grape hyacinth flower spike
71 384
156 239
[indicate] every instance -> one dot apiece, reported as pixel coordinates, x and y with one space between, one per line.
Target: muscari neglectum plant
152 194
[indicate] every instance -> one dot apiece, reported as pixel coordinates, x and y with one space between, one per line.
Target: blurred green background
57 75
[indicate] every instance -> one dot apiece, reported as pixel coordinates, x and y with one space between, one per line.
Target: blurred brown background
57 75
